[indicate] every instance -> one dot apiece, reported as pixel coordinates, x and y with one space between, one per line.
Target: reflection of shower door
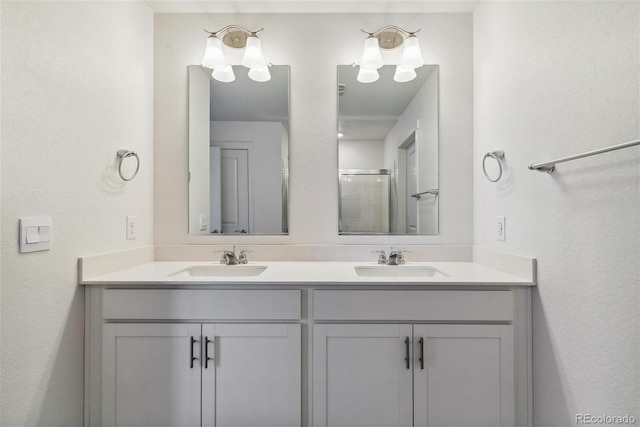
364 200
234 166
412 188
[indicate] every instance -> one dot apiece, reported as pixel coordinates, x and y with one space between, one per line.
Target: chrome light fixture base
236 39
234 36
388 38
391 36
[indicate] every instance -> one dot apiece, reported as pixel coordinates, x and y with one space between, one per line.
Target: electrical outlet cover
132 228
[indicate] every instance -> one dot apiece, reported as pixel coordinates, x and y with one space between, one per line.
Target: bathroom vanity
308 343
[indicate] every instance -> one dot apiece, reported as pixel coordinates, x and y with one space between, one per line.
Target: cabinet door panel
468 377
254 377
147 375
360 376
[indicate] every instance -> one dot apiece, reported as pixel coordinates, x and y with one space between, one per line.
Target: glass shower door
364 201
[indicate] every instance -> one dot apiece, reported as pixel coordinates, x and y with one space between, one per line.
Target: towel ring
498 156
122 155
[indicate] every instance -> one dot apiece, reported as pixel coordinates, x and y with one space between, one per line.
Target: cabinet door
466 377
253 375
362 375
148 378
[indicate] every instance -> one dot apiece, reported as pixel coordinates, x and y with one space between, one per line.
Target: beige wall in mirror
313 45
238 153
388 152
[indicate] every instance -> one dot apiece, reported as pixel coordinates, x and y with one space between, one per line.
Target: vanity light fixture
390 37
235 37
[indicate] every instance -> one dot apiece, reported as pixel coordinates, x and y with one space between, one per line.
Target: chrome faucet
230 257
394 258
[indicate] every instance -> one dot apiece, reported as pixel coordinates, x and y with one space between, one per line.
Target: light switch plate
36 233
501 228
203 222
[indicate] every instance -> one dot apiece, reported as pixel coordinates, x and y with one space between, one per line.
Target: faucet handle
399 253
226 255
382 257
242 256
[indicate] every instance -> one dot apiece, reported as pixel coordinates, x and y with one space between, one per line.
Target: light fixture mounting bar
389 37
391 27
234 35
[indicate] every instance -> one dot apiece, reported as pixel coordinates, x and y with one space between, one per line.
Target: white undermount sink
398 271
221 270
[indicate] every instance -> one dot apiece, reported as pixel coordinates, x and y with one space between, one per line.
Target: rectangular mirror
238 153
388 152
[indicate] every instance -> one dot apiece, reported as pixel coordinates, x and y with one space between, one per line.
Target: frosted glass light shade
260 74
411 54
367 75
253 57
371 57
213 55
404 74
224 74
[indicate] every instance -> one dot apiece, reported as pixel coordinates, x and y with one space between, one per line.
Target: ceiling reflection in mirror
388 153
238 153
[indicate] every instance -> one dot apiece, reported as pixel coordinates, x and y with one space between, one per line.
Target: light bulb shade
371 57
224 74
253 57
367 75
213 55
404 74
411 54
260 74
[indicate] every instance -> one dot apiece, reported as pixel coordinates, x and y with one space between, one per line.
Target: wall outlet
501 229
132 227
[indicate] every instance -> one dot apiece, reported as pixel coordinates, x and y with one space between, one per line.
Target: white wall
313 45
553 79
76 86
359 154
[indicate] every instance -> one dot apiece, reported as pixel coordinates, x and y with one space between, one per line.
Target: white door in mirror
35 233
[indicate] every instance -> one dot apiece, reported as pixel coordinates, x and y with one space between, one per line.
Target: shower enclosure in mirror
388 153
238 153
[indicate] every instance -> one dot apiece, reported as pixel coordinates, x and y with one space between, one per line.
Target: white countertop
309 273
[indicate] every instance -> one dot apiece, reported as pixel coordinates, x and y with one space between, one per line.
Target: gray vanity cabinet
325 356
238 364
253 375
415 359
360 377
463 375
148 378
